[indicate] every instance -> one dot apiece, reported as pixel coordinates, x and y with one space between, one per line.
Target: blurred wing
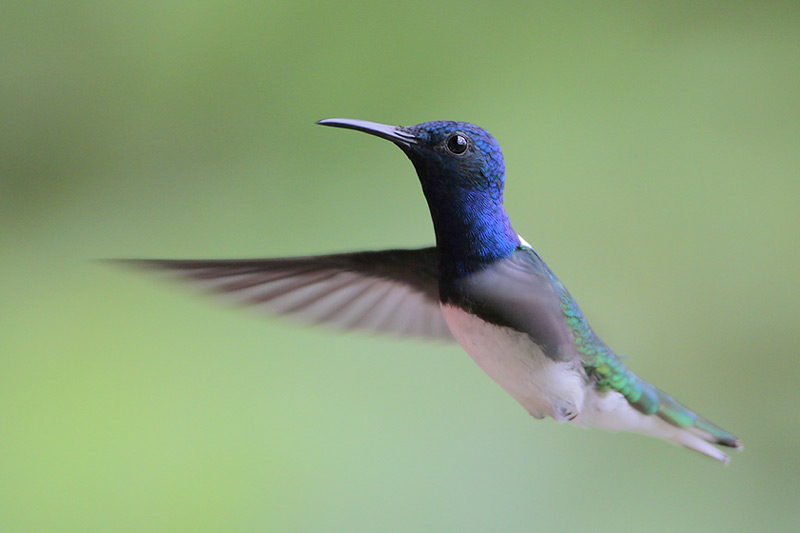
519 292
391 291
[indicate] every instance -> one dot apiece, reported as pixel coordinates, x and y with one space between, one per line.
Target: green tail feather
655 401
679 415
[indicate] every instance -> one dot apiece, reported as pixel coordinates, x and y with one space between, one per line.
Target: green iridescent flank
600 361
610 374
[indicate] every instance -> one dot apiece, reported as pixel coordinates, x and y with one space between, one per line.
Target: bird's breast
516 363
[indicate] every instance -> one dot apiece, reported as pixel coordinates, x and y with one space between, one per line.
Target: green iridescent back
609 373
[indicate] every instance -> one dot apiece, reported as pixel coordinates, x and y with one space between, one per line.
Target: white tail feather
612 412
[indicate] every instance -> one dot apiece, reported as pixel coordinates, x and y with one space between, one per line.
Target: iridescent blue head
461 169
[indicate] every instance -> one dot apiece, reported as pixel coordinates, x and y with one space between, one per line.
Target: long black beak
397 134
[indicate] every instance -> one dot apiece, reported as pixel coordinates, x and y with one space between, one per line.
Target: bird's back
566 371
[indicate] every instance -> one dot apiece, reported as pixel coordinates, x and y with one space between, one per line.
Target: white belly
541 385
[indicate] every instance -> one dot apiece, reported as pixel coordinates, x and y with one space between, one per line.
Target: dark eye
457 143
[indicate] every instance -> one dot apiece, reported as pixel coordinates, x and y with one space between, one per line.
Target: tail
642 408
656 414
695 432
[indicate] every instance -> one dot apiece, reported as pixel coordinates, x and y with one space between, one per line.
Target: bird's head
451 158
461 169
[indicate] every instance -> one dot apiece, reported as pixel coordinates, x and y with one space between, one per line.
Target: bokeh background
653 158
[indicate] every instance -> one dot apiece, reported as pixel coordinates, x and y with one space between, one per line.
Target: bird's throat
472 231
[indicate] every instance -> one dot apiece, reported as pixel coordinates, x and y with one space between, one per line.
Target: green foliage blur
653 157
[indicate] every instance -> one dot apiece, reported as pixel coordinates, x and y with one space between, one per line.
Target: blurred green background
653 158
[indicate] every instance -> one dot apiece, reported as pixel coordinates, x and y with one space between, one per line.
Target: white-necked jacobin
482 285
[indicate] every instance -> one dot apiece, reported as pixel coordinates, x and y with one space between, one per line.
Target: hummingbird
482 285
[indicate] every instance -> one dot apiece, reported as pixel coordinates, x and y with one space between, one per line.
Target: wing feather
390 291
